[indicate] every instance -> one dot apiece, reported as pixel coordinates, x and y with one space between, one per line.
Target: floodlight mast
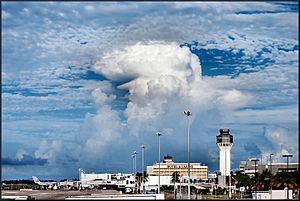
287 170
188 114
158 135
143 147
134 162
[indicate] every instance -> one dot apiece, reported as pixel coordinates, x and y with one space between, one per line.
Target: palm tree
145 178
175 178
140 178
241 179
283 179
263 180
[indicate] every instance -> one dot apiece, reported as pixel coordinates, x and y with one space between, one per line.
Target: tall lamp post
287 170
188 114
271 173
134 162
158 136
255 160
271 163
143 147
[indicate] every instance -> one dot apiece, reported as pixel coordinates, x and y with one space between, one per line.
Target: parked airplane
47 184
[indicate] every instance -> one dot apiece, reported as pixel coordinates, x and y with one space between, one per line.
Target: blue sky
84 84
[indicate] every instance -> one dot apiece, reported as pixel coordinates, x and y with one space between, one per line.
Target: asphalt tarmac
54 194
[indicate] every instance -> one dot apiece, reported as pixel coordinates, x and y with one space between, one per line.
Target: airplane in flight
45 184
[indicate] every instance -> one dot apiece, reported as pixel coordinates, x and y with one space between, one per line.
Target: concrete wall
274 195
164 180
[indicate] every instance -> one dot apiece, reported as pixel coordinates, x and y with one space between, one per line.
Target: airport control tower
224 142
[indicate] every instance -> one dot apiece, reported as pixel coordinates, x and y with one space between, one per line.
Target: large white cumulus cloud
148 60
49 150
162 80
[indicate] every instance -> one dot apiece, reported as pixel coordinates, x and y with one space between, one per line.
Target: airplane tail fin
35 179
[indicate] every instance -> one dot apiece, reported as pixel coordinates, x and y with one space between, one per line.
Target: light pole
271 163
158 136
271 173
134 159
287 169
255 160
143 147
132 163
188 114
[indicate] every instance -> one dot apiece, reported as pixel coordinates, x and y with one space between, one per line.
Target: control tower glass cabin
224 143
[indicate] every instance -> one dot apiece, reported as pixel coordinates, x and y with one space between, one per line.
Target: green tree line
265 181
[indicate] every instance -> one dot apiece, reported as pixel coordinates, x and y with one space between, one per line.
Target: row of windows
201 173
131 182
201 176
181 173
223 138
224 144
181 168
171 171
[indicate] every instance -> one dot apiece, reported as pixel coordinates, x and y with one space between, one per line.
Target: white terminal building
224 143
198 172
167 167
106 180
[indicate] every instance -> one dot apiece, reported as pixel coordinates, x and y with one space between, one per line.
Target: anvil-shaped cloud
162 80
160 77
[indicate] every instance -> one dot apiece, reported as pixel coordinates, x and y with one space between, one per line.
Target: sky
84 84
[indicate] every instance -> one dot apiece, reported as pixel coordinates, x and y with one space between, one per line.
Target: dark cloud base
26 160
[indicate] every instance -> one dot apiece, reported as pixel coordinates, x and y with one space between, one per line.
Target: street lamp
188 114
158 136
143 147
271 154
255 160
287 169
134 162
